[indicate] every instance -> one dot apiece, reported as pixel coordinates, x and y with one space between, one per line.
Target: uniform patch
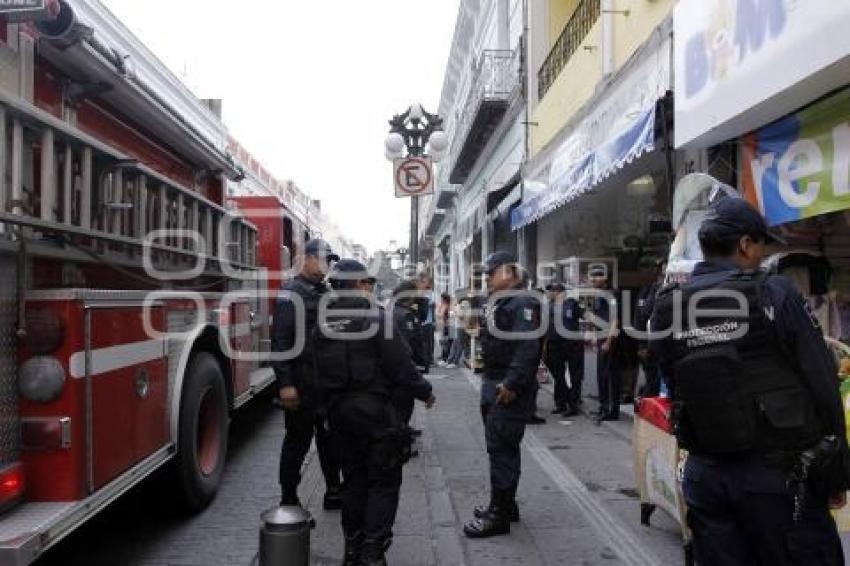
814 319
528 314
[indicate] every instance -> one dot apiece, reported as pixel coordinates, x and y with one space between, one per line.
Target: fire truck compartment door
129 388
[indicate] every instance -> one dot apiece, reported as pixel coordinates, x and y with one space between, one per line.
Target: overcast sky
308 86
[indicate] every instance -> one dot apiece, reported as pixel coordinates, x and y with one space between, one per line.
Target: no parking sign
413 176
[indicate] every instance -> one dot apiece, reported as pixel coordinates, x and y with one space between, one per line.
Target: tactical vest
346 364
736 390
310 296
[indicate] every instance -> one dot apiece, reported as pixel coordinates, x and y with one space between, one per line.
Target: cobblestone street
576 497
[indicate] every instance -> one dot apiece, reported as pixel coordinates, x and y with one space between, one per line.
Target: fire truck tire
202 437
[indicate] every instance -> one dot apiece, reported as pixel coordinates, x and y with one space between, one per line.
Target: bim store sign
740 64
799 166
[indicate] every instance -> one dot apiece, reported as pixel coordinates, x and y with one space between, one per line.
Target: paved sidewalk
562 521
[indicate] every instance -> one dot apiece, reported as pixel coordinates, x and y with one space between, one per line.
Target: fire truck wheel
203 432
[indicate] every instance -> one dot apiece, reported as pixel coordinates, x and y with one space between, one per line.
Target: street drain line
615 535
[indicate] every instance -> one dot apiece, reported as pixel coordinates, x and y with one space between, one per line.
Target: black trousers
301 425
608 381
503 437
741 514
370 468
652 387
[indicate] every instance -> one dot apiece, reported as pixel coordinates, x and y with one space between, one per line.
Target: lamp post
411 133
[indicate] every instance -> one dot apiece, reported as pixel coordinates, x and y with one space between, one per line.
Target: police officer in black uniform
508 390
408 325
643 311
359 366
296 377
756 404
564 349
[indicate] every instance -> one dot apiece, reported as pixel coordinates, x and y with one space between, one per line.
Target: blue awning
571 180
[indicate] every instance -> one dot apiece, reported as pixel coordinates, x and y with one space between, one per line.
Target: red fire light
11 484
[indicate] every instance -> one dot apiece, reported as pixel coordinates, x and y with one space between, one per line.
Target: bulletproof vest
736 389
310 296
346 363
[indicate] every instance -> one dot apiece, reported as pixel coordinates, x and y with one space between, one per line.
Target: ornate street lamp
415 133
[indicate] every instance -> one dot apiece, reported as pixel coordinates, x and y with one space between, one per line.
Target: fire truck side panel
55 472
129 389
267 214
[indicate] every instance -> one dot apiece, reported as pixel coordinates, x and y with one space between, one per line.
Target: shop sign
799 167
734 56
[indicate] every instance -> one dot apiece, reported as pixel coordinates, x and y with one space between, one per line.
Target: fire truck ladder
84 188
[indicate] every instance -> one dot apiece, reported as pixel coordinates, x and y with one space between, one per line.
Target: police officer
359 366
643 311
508 389
407 323
296 377
564 349
607 375
754 386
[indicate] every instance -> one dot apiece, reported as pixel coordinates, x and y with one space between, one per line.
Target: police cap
350 270
733 216
320 248
496 260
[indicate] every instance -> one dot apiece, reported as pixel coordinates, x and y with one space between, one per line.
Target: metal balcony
494 86
572 36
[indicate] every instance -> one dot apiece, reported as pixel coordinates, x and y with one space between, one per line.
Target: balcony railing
495 83
568 43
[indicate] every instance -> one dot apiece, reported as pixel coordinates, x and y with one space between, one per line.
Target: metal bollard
285 536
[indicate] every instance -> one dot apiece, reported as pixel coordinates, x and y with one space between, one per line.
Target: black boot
373 553
495 521
353 549
333 498
513 511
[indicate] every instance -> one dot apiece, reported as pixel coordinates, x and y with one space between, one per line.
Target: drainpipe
607 37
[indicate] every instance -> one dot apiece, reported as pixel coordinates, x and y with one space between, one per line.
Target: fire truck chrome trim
112 358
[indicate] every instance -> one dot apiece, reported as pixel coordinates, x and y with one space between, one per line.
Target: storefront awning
610 131
580 176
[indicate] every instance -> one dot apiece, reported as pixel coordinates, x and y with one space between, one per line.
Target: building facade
483 106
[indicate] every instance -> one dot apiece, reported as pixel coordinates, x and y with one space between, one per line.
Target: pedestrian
296 377
457 326
607 377
643 310
443 315
360 365
757 403
507 390
560 345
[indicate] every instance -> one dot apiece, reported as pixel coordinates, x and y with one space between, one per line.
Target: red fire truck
131 325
